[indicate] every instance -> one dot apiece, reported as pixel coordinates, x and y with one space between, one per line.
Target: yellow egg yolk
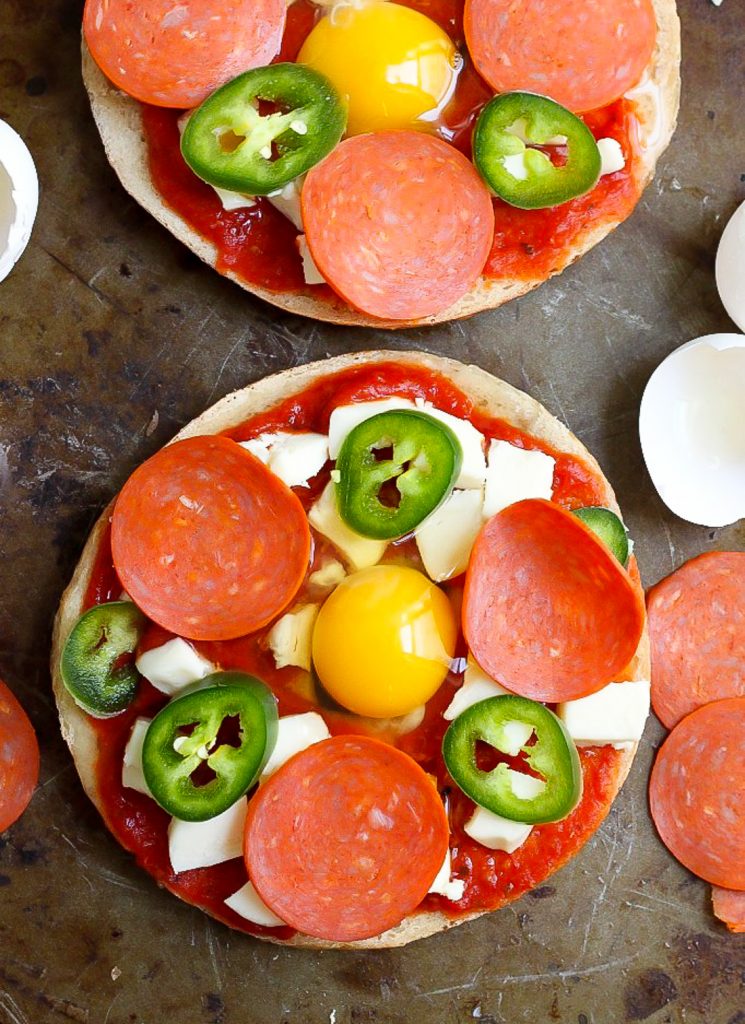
384 640
392 65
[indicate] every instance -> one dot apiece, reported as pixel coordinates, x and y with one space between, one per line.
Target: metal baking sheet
111 337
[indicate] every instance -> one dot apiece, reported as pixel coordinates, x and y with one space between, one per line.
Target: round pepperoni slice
19 759
729 907
548 611
697 793
399 223
207 541
697 629
584 55
174 54
345 839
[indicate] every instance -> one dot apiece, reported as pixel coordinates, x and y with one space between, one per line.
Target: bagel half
489 395
119 121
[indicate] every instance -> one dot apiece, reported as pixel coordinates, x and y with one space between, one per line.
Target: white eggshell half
692 430
730 267
19 197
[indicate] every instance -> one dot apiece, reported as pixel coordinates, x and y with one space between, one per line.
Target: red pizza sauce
492 877
257 244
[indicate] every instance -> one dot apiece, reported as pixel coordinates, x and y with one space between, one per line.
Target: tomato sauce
492 877
258 244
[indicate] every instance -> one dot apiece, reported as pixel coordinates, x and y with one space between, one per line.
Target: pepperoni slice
345 839
398 222
19 759
207 541
697 628
547 610
584 54
697 793
174 54
729 907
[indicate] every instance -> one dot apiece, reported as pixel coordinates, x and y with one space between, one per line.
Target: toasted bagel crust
119 122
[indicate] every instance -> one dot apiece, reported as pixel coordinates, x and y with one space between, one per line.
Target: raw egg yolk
391 64
384 640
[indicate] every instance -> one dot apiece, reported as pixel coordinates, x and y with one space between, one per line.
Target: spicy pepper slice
608 527
97 665
190 732
517 796
395 469
507 142
229 142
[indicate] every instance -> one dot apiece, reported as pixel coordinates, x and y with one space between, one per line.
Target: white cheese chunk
473 468
173 666
133 776
311 273
295 733
525 787
294 458
496 832
290 638
611 156
477 686
445 538
345 418
248 904
200 844
514 164
514 737
616 714
514 474
287 201
328 576
233 200
360 552
443 886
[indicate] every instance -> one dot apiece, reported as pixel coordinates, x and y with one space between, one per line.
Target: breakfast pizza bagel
395 226
296 634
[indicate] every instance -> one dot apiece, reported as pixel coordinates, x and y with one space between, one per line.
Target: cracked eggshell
730 267
19 197
692 430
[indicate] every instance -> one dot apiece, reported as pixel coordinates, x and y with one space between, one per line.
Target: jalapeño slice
97 665
394 470
226 730
608 528
231 142
510 140
517 796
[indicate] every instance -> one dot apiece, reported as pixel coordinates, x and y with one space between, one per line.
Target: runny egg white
19 197
730 267
692 430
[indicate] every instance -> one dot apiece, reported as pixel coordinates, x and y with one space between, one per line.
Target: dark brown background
111 337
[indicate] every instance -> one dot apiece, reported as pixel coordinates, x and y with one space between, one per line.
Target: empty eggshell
692 430
730 267
19 197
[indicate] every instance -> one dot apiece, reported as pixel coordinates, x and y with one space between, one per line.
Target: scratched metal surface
112 337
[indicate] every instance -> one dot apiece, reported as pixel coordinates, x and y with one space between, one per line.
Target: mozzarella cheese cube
514 164
472 693
200 844
514 474
445 538
311 273
496 832
294 458
345 418
443 886
515 735
328 576
290 638
173 665
295 733
611 156
233 200
360 552
287 201
248 904
473 467
525 787
133 776
616 714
